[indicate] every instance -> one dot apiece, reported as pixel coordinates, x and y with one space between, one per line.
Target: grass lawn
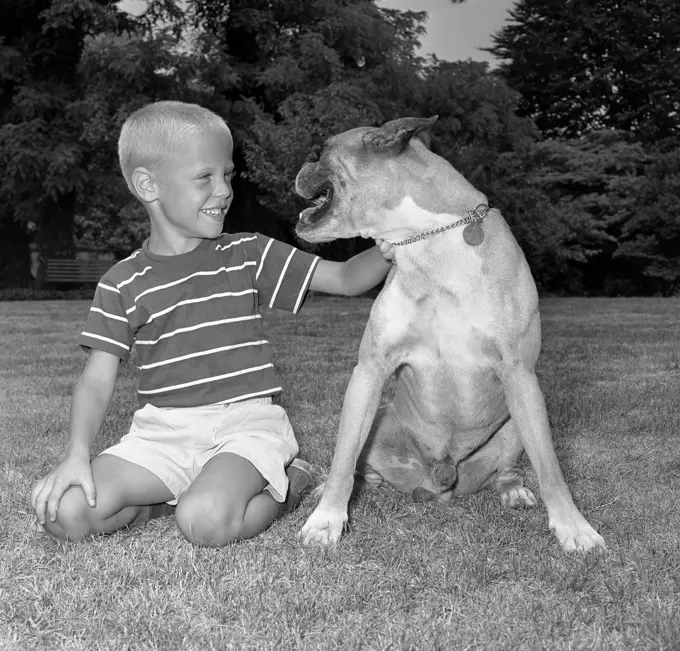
461 575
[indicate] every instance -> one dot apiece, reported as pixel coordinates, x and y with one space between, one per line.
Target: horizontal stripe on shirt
212 351
207 324
206 379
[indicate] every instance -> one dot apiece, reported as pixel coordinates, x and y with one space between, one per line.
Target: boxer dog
457 322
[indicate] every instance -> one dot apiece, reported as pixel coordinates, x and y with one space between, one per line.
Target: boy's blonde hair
152 133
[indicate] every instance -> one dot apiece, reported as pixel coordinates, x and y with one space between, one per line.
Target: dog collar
473 218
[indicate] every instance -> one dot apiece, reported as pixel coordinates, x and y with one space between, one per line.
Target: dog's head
367 181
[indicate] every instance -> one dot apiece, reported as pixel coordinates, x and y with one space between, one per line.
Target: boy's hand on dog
387 249
46 494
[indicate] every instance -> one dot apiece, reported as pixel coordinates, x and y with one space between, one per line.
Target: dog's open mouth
321 202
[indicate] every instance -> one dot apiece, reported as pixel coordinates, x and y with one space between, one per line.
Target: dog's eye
314 154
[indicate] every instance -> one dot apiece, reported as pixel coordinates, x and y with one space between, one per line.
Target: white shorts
175 443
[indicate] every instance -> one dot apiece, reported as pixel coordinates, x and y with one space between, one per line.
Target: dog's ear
396 134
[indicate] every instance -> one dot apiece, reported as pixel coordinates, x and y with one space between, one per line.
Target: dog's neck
473 219
433 198
409 222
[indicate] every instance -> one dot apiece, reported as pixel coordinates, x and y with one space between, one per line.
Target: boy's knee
73 522
202 524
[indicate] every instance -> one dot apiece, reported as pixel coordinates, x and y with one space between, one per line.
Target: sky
456 31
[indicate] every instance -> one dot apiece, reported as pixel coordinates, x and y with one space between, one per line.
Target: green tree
40 115
284 75
121 73
647 259
477 116
553 251
592 183
595 214
311 69
582 65
75 69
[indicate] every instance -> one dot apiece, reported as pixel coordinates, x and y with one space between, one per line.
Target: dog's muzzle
312 183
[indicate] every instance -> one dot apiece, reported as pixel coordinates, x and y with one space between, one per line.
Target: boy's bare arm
355 276
91 399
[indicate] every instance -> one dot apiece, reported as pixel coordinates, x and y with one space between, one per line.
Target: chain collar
475 215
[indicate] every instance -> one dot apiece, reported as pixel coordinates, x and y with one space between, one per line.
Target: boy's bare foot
299 482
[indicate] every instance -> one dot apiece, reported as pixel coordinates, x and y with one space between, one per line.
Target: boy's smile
215 213
193 193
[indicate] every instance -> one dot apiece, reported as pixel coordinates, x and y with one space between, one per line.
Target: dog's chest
435 328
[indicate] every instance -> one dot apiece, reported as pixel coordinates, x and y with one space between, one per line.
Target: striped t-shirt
195 318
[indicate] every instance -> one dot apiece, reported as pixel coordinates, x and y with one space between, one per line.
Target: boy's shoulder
250 246
124 269
246 239
237 240
246 245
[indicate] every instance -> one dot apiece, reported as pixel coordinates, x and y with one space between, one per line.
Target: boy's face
194 188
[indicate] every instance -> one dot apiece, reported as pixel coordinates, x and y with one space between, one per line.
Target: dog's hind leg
509 481
389 456
366 480
497 462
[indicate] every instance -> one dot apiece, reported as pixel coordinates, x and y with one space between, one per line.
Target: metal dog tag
473 234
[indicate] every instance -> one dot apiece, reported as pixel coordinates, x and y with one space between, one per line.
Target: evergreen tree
647 260
583 65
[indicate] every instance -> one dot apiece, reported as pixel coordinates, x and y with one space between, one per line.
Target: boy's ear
144 184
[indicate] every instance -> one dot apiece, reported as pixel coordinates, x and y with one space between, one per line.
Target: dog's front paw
323 527
579 537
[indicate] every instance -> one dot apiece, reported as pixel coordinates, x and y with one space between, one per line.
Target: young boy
207 436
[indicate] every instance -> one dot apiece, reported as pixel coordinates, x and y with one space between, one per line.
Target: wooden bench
80 272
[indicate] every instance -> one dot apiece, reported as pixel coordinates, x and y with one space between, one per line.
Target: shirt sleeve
283 274
107 327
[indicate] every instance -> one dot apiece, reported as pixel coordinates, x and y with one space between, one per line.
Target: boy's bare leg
225 503
125 492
